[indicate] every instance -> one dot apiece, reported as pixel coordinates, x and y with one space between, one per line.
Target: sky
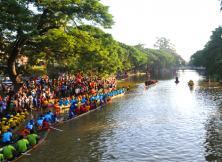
187 23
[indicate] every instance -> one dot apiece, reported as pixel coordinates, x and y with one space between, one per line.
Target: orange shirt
23 132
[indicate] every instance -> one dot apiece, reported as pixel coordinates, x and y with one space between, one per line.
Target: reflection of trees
213 143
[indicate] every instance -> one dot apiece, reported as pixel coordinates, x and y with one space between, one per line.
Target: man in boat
40 121
45 124
50 113
128 88
8 151
54 118
2 158
7 136
32 138
5 128
47 117
177 79
22 144
25 131
30 125
191 83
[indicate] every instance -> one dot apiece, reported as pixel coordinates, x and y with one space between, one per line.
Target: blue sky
187 23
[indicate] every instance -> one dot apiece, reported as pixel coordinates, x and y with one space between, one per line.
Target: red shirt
83 109
91 106
45 124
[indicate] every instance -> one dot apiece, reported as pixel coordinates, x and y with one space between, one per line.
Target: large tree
24 21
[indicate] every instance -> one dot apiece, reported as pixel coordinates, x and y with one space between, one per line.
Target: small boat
177 81
151 82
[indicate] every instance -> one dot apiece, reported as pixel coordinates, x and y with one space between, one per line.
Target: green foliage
211 55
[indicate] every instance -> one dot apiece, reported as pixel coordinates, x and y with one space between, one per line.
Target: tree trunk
11 66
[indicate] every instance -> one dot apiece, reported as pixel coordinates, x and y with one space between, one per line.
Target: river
167 122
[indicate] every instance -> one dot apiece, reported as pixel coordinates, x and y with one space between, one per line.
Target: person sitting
47 117
25 131
54 119
2 159
8 151
40 121
32 138
61 102
22 117
71 115
66 102
30 125
87 107
22 144
82 109
45 124
50 113
108 98
7 136
5 128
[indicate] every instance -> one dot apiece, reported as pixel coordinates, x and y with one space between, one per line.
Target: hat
11 116
55 114
22 113
9 130
15 117
41 115
31 122
3 118
47 112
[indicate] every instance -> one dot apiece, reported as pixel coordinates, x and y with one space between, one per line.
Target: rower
3 121
87 107
50 113
32 138
12 122
47 117
177 79
7 136
25 131
40 121
8 151
54 119
30 125
5 127
22 117
61 102
66 102
22 144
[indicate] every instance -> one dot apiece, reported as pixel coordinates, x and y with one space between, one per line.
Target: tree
23 22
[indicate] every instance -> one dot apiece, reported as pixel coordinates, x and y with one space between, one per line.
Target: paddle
56 129
25 154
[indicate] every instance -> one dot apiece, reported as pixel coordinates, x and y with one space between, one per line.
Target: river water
166 122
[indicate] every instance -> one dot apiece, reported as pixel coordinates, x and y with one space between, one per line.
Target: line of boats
44 132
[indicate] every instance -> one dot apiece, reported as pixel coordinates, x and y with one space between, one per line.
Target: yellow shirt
5 128
108 98
87 108
45 103
12 123
3 123
97 104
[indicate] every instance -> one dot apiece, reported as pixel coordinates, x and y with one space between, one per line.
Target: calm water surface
167 122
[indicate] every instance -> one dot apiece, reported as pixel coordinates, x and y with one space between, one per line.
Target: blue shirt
61 102
72 107
51 114
66 102
6 136
30 126
40 121
47 117
54 119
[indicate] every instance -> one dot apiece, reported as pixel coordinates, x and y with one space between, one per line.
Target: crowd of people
28 139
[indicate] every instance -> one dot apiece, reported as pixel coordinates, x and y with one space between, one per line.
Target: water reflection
167 122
